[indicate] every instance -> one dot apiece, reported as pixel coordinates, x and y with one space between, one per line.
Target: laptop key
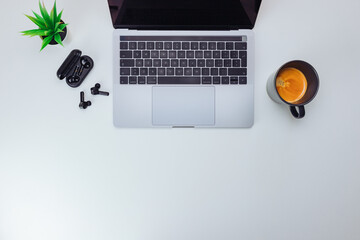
210 63
196 71
172 54
242 80
207 54
225 54
152 71
218 63
139 63
179 71
150 45
124 71
234 54
179 80
176 45
229 46
216 80
125 54
141 45
151 80
159 45
124 80
227 63
235 63
161 71
185 45
163 54
165 63
205 71
124 45
148 62
141 80
212 45
144 71
192 63
236 71
132 80
206 80
203 45
233 80
137 54
127 62
194 45
168 45
220 46
188 71
224 80
201 63
240 46
243 57
181 54
216 54
223 72
174 62
170 71
157 62
132 45
145 54
183 62
199 54
154 54
214 71
189 54
135 71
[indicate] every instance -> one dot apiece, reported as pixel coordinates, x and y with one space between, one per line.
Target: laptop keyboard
183 60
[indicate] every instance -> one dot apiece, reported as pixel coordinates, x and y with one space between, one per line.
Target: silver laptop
186 63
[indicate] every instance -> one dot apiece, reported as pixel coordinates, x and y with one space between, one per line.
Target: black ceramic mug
297 108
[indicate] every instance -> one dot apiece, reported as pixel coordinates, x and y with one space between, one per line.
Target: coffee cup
294 84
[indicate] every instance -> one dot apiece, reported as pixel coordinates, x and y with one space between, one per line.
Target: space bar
178 80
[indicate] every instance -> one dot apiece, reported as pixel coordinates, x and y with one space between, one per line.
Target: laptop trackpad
183 106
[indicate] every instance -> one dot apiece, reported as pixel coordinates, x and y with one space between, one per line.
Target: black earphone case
75 68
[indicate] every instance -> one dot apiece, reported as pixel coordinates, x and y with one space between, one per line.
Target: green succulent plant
50 25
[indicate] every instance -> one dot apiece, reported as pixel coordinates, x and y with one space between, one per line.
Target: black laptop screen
184 14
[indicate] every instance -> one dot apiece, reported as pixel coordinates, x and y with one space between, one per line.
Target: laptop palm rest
183 106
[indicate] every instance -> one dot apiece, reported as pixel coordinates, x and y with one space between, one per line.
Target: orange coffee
291 84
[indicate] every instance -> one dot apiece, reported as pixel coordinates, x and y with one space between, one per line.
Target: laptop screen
184 14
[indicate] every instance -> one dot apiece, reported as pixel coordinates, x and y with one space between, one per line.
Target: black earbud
83 104
84 64
95 90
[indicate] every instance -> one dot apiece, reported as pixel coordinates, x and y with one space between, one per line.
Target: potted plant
52 30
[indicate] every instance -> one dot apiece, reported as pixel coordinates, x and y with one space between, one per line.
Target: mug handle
297 111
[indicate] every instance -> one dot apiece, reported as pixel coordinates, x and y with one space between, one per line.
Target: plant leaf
54 18
38 16
59 16
57 38
46 41
46 16
39 23
56 26
62 26
36 32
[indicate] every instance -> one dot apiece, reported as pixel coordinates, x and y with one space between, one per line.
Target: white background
67 173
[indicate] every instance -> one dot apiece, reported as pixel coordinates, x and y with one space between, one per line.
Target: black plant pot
62 35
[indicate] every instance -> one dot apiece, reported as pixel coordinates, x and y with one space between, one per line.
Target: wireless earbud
95 90
83 104
84 64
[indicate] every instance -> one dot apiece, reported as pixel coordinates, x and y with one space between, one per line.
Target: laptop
186 63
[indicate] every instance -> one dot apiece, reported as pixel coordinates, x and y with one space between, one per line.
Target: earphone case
75 68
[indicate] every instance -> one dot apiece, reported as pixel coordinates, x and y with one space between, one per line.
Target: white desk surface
69 174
